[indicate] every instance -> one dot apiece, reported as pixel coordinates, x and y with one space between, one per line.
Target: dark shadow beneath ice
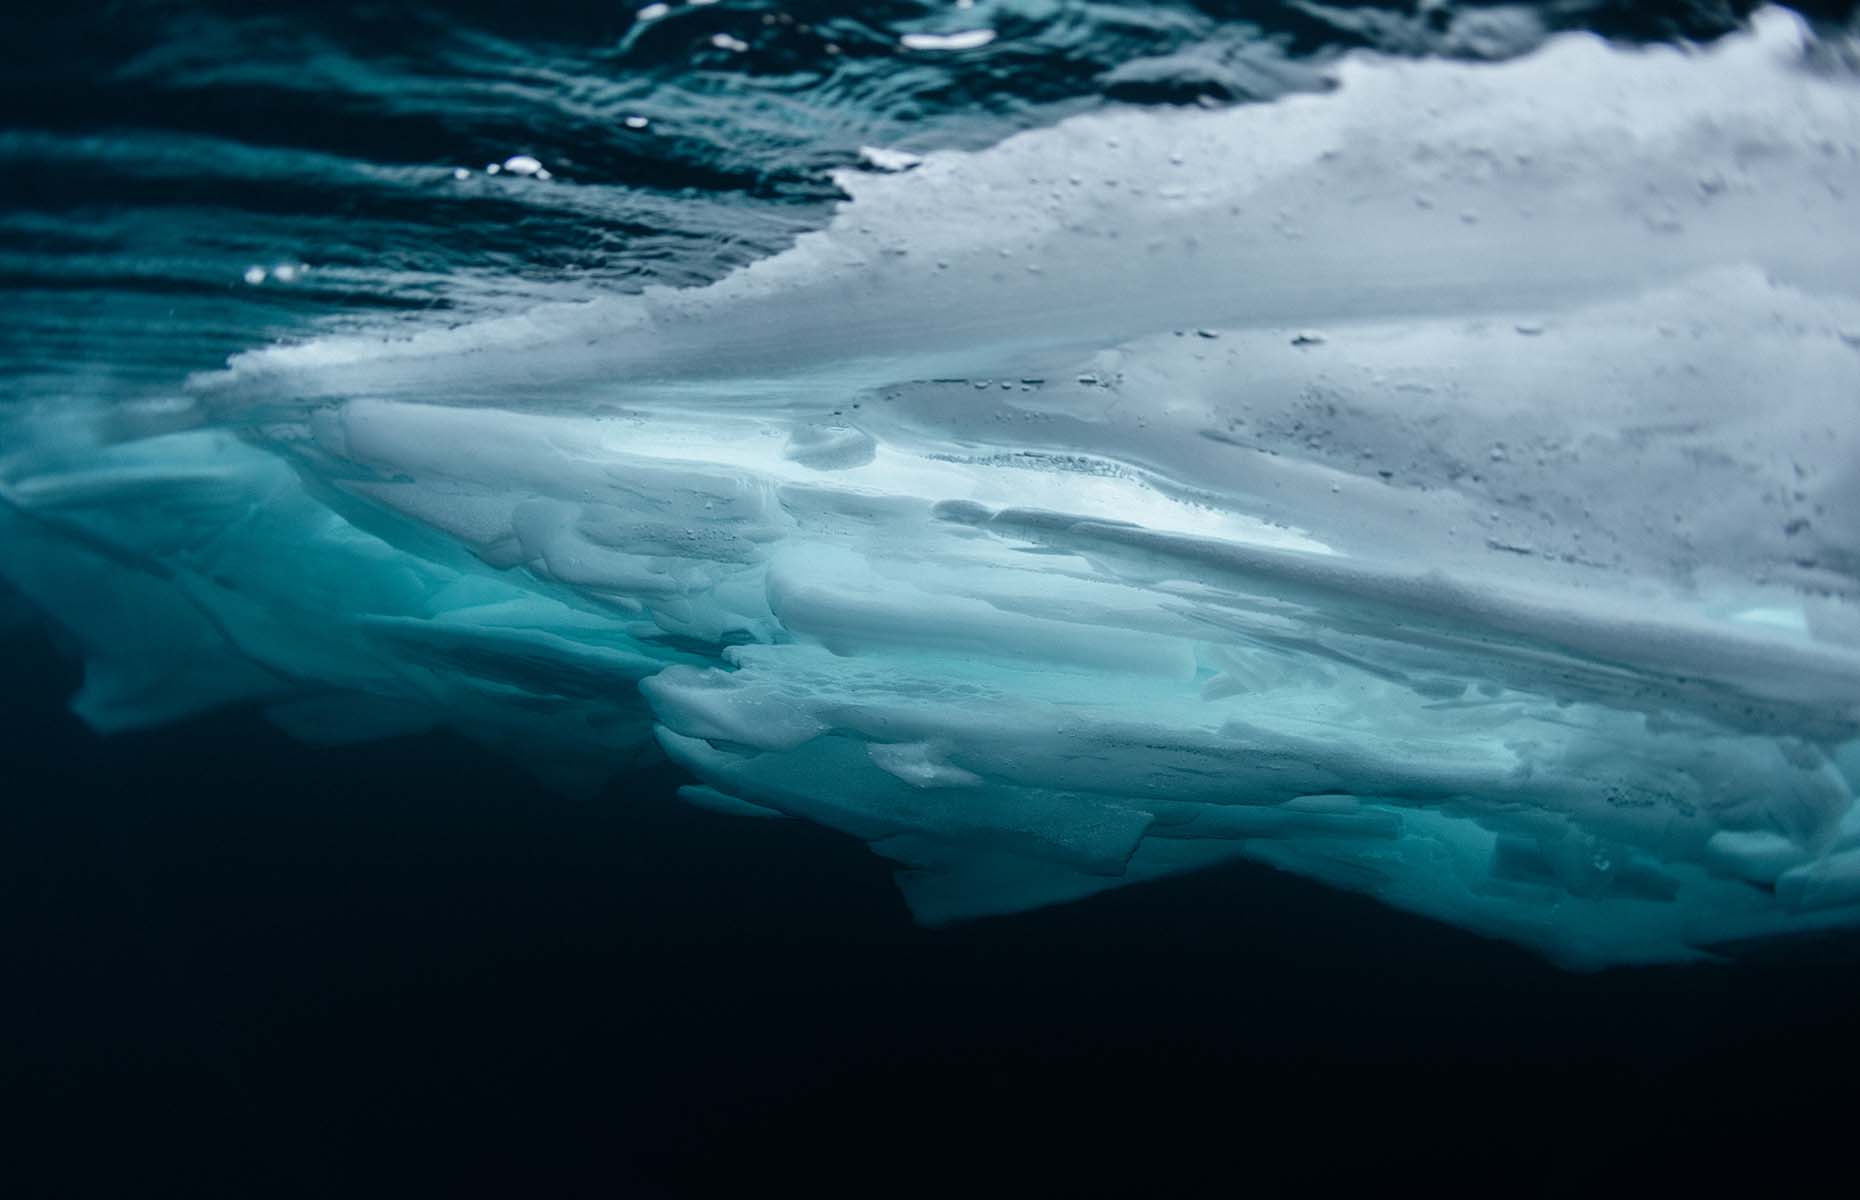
237 964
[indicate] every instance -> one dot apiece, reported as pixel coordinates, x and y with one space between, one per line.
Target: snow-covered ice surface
1446 486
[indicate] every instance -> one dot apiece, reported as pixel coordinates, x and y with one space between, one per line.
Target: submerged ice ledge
1446 488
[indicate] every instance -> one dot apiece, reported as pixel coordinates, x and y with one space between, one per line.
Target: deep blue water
236 964
240 966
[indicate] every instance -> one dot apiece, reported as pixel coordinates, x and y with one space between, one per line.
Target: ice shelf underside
1445 487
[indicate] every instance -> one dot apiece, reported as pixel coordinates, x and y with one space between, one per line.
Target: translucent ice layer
1447 487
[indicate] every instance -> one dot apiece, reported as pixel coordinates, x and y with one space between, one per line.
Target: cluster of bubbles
284 272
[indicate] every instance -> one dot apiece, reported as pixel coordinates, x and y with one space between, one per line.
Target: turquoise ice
1447 487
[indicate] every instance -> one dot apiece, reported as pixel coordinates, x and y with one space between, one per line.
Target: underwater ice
1446 487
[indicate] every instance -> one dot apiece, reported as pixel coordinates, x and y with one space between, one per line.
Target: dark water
240 965
237 965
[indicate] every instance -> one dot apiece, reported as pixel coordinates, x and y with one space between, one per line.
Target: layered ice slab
1446 487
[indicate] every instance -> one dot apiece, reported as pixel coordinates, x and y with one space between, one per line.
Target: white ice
1447 487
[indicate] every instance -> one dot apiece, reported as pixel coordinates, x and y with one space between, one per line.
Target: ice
966 39
1152 490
